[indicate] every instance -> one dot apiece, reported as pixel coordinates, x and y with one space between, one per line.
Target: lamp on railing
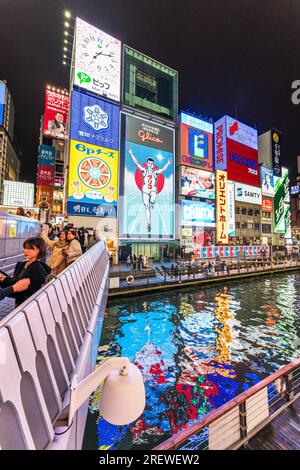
122 398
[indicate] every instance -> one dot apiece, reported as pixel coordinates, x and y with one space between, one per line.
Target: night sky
232 56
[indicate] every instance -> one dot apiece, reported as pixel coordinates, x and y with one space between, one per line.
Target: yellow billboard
221 207
93 176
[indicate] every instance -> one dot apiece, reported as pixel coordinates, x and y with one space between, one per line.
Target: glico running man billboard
94 121
146 204
196 142
93 180
236 151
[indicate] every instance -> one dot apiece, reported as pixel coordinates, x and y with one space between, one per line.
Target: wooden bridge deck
283 433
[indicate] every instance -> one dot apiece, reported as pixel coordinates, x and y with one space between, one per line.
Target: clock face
97 61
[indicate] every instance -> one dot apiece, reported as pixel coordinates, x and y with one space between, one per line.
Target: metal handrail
283 373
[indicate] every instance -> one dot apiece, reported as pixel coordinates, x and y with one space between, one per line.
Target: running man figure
149 188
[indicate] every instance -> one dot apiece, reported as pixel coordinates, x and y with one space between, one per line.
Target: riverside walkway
162 277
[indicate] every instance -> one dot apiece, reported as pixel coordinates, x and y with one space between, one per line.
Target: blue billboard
2 102
94 121
93 210
46 155
146 198
198 213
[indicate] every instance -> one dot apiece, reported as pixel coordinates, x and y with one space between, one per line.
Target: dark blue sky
231 55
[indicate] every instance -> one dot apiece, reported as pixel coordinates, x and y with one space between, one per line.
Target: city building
51 154
9 155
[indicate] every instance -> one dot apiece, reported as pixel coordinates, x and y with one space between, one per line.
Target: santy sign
246 193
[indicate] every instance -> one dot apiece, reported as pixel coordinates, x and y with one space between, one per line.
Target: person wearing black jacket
29 275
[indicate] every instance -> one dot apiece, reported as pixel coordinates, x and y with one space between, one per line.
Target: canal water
197 349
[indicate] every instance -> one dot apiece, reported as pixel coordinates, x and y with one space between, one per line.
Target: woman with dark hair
21 211
74 250
29 275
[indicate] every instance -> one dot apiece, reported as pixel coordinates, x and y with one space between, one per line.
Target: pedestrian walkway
6 306
281 434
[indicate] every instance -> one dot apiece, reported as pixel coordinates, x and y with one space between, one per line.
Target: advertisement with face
97 61
198 213
56 114
197 183
93 176
196 142
242 163
267 181
147 204
94 121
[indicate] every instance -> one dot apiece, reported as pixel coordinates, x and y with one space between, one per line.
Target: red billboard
56 114
267 205
242 163
45 176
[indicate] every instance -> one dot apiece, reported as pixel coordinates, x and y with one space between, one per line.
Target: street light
122 398
67 14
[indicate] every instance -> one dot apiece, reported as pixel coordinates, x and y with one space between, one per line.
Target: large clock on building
97 61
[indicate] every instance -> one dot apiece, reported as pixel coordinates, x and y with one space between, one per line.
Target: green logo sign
84 77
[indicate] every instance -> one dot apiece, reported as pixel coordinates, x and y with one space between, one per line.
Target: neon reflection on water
197 349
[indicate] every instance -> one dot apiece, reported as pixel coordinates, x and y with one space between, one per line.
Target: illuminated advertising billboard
44 197
45 175
2 101
18 194
149 85
295 189
147 199
55 114
267 181
248 194
93 179
242 163
236 151
221 207
282 208
231 209
198 213
241 133
196 142
94 121
276 145
46 155
97 61
197 183
267 205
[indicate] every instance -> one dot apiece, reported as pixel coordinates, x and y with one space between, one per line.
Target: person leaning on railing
57 260
73 251
29 275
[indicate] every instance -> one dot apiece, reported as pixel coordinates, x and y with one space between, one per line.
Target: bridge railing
232 425
42 344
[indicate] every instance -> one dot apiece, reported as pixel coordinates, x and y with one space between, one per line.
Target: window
244 211
256 213
257 226
237 210
238 225
250 211
244 225
250 225
266 228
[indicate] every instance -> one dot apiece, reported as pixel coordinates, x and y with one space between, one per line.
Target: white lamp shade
122 398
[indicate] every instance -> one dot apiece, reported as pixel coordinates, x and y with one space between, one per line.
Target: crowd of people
140 262
45 255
